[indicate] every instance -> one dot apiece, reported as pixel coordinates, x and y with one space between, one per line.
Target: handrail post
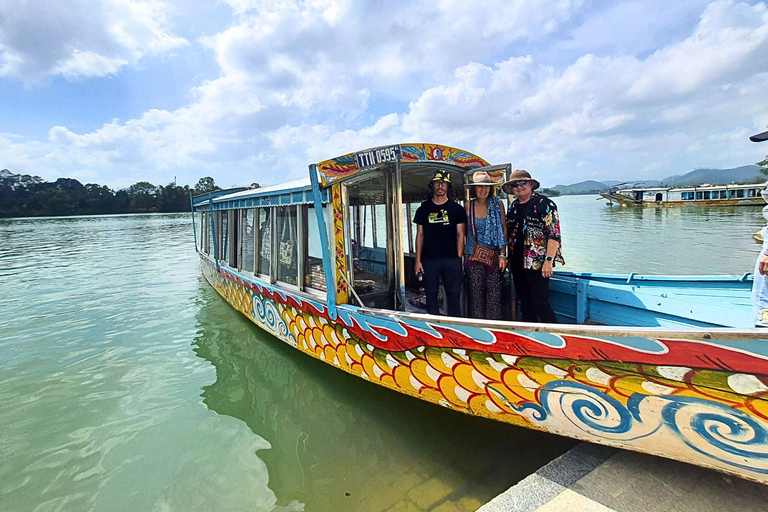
330 288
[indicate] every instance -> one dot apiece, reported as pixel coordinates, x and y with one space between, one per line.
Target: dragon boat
670 366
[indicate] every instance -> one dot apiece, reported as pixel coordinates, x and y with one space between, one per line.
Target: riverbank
594 478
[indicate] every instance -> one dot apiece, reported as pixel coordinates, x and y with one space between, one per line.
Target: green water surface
127 383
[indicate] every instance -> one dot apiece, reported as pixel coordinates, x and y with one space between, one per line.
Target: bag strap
472 220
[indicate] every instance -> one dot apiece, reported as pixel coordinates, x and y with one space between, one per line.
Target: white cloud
300 82
80 38
695 88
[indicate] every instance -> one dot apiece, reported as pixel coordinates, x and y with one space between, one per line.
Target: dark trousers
533 291
453 276
484 291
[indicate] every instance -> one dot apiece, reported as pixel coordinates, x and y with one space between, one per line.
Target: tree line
31 196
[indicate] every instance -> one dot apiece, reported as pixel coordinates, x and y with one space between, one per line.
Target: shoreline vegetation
22 195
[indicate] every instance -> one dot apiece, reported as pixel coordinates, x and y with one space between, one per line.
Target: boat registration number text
377 156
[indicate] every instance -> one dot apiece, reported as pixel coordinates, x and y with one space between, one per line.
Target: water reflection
340 443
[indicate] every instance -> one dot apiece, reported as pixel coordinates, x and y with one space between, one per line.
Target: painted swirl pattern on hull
709 416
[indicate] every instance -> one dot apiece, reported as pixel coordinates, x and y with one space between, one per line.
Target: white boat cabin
699 193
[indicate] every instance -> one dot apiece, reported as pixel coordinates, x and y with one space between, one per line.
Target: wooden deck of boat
593 478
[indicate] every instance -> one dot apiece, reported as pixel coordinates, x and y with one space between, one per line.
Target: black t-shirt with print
439 226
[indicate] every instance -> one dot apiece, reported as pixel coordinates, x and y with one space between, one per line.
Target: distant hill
583 187
743 174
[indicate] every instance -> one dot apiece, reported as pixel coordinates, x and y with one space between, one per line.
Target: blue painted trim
209 196
289 197
330 287
582 303
635 277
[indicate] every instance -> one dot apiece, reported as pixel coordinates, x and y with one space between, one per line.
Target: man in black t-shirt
441 228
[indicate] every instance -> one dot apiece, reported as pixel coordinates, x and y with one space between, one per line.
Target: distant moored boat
702 195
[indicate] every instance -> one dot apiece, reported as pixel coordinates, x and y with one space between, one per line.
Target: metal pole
330 287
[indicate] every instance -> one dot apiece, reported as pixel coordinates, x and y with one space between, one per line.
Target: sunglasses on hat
514 184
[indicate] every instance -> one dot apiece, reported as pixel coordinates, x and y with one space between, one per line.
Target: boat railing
465 325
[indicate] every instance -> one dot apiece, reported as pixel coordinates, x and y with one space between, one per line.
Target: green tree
122 202
142 196
58 202
204 185
763 165
172 198
98 199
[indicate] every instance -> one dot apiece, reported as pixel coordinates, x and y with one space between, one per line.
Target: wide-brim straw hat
519 175
482 178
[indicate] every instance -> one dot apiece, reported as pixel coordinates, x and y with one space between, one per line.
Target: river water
126 382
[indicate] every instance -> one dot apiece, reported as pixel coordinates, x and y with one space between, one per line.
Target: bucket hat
441 176
519 175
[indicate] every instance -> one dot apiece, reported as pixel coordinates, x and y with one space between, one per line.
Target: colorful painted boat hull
695 396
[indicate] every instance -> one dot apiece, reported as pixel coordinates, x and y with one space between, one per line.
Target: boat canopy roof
409 154
288 193
420 159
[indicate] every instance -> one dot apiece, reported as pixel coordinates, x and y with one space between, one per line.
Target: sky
119 91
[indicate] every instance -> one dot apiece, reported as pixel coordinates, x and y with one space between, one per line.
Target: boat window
740 192
287 245
408 229
686 196
208 233
723 194
234 235
368 245
223 238
201 230
699 195
264 241
313 265
752 192
247 235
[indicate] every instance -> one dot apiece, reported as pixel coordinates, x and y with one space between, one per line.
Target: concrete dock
593 478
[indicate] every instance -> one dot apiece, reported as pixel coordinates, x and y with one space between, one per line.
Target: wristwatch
549 258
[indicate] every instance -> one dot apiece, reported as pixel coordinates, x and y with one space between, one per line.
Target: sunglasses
514 184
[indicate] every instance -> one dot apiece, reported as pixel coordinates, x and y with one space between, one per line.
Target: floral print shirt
539 225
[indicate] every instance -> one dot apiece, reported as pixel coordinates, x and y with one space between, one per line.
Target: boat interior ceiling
415 180
414 185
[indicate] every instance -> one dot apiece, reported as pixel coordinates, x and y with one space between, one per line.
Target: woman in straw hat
533 226
486 247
